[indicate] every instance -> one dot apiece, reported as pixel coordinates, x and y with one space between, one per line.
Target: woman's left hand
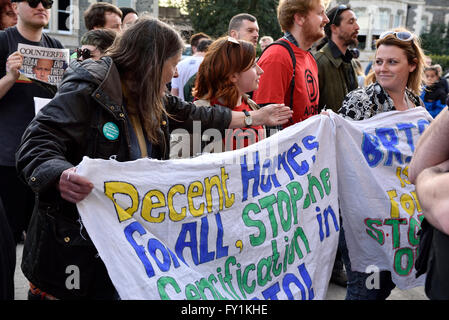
272 115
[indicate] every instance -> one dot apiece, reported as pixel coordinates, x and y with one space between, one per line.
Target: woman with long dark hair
114 107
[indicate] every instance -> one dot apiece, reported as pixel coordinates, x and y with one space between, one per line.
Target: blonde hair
414 53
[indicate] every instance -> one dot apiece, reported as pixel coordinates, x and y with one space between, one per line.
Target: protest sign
379 207
43 64
257 223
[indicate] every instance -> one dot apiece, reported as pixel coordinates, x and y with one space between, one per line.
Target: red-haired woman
228 71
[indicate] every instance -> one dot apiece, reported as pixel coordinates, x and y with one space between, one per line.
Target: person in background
337 78
17 107
203 46
336 72
103 15
243 26
265 41
94 44
396 85
435 90
116 106
8 16
129 17
303 23
189 66
229 70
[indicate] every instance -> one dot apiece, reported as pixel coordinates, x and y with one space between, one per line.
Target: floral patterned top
364 103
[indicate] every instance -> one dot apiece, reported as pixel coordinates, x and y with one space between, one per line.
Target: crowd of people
104 108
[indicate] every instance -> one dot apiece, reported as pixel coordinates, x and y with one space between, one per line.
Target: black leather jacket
68 128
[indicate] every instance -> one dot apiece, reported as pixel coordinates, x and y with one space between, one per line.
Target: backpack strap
286 45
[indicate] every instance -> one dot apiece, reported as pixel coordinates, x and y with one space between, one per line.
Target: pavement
334 292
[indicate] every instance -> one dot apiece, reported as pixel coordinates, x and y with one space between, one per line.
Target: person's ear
413 65
299 19
234 77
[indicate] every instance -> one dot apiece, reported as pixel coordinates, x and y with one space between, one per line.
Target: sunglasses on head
340 8
400 35
233 40
34 3
84 53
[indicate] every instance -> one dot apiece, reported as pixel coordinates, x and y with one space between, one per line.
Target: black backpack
286 45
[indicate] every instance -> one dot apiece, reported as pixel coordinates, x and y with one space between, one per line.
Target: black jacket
68 128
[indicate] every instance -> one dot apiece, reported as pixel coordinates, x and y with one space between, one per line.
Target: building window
64 16
125 3
384 19
397 20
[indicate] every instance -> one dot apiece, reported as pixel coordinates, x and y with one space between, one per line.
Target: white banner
258 223
379 207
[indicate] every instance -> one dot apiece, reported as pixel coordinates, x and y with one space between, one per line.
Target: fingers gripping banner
379 207
257 223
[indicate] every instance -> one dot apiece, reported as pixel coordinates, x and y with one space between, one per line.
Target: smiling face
247 81
315 21
392 68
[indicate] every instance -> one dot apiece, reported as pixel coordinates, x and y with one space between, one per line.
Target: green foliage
212 16
436 41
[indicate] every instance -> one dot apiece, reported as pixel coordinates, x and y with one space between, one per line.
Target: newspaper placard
43 64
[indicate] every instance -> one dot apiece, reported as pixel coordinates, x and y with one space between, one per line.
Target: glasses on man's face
83 53
34 3
400 35
339 9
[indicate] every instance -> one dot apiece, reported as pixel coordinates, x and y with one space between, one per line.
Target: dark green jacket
334 85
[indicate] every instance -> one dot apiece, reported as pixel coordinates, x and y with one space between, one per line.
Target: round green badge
110 131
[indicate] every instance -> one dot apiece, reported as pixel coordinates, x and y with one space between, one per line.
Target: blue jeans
356 288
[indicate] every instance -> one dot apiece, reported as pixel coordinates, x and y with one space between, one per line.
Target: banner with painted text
257 223
379 207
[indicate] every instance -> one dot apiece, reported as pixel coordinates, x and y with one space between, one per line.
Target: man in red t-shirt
303 24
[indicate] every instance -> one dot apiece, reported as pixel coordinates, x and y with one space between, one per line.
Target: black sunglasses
34 3
85 53
340 8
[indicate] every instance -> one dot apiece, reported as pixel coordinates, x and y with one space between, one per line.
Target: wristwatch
248 118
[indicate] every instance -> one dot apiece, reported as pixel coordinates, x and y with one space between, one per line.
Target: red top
274 85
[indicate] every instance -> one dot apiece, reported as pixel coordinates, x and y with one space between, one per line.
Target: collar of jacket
108 92
328 52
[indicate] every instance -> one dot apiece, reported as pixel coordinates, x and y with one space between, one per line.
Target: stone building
374 17
67 22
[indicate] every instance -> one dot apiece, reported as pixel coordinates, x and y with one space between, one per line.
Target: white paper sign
260 222
380 210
